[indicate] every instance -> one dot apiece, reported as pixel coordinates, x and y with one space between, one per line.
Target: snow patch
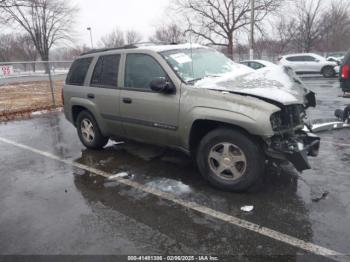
271 82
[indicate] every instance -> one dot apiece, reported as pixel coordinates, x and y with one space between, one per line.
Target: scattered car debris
247 209
343 115
341 121
323 196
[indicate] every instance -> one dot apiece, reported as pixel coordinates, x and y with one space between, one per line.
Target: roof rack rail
108 49
132 46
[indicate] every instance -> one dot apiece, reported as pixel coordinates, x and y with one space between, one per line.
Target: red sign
6 70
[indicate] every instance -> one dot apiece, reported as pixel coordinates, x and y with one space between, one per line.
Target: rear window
78 71
106 71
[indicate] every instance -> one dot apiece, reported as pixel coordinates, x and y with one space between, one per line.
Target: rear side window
256 66
106 71
140 70
78 71
295 58
309 59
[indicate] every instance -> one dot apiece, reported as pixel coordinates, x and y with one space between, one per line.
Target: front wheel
230 160
89 132
328 72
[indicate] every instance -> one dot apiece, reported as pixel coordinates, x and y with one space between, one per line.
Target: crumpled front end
295 148
290 141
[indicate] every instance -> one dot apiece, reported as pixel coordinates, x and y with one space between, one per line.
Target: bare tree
6 50
335 27
217 21
46 21
285 32
17 48
171 33
132 37
113 39
309 26
25 48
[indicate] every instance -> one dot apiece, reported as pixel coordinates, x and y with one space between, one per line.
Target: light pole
252 24
90 30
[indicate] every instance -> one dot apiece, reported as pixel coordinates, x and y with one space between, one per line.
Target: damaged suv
231 119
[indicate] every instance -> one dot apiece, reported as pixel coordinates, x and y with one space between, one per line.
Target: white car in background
309 63
338 60
257 64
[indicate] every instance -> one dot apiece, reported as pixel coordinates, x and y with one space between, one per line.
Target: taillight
345 70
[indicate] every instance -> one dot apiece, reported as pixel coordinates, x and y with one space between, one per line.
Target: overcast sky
104 15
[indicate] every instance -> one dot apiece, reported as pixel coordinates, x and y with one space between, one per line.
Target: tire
89 132
328 72
243 156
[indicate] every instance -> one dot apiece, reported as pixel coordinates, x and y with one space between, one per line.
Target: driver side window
140 70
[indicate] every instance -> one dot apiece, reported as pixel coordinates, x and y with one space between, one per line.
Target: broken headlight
276 121
289 117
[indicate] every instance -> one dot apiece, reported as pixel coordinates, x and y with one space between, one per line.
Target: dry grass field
21 99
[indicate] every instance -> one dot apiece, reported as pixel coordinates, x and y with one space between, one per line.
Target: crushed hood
275 83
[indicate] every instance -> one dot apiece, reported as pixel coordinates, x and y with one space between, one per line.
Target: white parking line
292 241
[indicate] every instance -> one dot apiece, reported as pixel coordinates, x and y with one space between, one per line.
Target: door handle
91 96
127 100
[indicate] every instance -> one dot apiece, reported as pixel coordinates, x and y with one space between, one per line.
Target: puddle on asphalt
170 186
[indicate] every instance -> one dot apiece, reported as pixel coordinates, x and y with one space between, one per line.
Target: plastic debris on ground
247 209
119 175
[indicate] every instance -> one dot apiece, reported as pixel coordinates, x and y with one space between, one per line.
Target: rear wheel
328 72
89 132
230 160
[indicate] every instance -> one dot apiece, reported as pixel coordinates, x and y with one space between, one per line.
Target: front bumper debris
295 149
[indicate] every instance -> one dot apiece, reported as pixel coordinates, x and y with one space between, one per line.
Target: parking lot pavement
55 199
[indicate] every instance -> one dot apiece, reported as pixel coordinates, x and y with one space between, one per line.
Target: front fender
255 122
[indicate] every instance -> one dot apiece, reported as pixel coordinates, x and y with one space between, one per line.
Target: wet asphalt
51 208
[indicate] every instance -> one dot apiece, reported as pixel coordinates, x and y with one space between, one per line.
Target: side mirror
317 61
162 85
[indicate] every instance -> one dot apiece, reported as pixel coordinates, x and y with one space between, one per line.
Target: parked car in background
337 57
257 64
309 63
344 74
338 60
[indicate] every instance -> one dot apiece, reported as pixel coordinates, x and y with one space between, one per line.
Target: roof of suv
301 54
150 47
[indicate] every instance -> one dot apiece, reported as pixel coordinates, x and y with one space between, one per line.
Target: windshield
199 63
